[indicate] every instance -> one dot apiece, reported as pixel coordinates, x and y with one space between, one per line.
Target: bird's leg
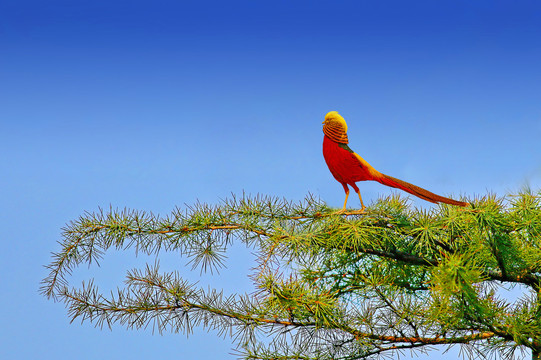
346 189
345 202
360 198
362 204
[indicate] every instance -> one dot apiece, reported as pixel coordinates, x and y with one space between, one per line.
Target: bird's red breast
343 164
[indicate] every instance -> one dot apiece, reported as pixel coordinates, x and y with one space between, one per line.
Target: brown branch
526 279
184 229
401 256
184 305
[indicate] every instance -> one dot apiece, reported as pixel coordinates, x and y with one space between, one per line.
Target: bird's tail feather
417 191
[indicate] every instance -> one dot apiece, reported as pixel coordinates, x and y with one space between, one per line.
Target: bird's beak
323 122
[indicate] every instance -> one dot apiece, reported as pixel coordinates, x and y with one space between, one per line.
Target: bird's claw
352 212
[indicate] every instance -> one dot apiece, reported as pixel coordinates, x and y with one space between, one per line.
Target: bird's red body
343 165
347 167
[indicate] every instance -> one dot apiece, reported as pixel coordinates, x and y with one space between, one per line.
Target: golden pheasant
348 167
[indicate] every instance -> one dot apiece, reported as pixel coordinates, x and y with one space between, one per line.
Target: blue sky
152 105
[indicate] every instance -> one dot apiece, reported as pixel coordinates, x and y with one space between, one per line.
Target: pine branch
329 286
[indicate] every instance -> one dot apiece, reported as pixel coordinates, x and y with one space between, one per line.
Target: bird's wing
373 173
356 168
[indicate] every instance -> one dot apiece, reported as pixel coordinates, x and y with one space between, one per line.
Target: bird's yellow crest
335 127
334 116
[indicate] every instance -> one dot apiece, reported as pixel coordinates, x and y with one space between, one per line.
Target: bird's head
335 127
334 118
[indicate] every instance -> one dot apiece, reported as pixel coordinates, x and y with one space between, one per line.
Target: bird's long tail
417 191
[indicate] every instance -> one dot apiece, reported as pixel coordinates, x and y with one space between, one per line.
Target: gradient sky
152 105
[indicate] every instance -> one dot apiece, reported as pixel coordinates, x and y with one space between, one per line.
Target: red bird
348 167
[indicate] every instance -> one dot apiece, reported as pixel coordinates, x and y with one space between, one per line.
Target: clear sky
155 104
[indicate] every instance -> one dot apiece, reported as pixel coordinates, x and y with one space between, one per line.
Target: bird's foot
357 212
352 212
